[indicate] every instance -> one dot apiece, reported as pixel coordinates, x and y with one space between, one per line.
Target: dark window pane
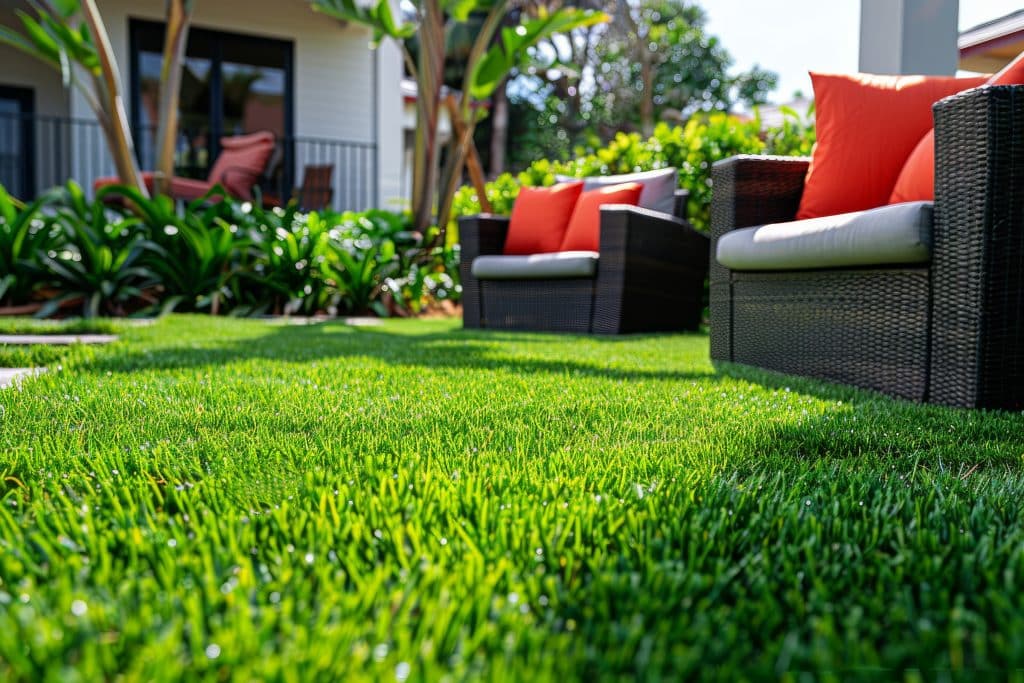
253 99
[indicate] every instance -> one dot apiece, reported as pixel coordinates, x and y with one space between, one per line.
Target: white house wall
24 71
333 70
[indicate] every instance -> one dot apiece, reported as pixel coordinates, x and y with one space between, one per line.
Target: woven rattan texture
978 356
544 305
867 328
748 190
650 278
951 334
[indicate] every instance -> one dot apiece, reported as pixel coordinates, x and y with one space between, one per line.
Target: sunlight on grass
213 495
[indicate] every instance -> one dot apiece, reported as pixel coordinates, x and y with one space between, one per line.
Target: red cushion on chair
242 161
867 126
916 181
584 231
189 189
539 218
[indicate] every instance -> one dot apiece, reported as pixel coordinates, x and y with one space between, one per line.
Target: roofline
994 33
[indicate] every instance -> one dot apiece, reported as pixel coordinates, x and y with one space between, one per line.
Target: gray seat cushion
899 233
562 264
659 186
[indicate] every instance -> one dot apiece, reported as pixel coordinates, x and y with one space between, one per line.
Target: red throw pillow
539 218
916 181
584 231
867 127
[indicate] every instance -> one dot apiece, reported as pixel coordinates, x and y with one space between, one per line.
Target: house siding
333 67
24 71
335 93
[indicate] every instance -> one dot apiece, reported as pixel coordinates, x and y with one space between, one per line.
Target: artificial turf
229 499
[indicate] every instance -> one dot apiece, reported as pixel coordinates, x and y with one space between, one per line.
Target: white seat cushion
562 264
899 233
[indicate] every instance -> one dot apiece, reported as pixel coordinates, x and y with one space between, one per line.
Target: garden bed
213 497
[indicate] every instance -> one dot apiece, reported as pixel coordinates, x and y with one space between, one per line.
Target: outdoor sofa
649 275
917 301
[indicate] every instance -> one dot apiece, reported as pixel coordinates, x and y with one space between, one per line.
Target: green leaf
459 10
20 42
500 59
377 17
46 48
66 8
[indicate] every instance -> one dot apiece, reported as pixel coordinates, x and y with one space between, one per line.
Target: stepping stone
11 376
55 339
365 321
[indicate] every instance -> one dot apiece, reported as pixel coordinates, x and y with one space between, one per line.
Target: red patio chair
238 168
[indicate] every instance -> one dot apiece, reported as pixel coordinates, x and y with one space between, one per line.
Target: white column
390 134
909 36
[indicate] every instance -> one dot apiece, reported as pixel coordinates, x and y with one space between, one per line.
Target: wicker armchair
950 331
650 278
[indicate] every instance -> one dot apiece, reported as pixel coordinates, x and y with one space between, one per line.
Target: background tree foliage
655 61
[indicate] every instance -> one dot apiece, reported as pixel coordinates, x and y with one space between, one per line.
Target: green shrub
26 233
218 256
101 263
692 149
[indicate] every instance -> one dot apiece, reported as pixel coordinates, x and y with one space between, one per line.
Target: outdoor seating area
659 340
915 301
646 273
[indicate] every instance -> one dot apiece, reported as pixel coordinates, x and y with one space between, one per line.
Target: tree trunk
108 88
647 96
179 14
499 128
430 79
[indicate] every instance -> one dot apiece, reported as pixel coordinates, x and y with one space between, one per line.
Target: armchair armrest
978 249
681 198
480 235
651 273
753 190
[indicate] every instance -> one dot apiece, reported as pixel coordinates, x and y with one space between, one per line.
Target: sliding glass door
17 165
232 84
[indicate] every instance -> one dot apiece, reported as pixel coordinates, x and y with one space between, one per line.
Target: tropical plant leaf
501 58
66 8
377 16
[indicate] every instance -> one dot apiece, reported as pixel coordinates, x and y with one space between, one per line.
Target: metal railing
38 152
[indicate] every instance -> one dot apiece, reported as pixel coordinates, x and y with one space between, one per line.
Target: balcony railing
38 152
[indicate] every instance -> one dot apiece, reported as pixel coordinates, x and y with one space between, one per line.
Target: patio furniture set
922 300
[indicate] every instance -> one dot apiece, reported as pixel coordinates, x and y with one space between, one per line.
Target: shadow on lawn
858 424
457 349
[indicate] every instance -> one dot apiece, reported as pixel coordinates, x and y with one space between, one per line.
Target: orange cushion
916 181
867 127
584 231
539 218
242 160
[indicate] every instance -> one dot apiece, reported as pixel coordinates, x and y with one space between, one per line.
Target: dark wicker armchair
650 278
950 331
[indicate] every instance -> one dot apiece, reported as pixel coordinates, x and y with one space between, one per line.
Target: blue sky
792 37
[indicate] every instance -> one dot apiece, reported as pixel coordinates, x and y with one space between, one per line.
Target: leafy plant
795 137
102 261
197 252
692 149
280 271
69 35
53 37
26 232
487 64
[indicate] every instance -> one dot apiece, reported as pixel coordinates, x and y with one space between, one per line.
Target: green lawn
213 498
